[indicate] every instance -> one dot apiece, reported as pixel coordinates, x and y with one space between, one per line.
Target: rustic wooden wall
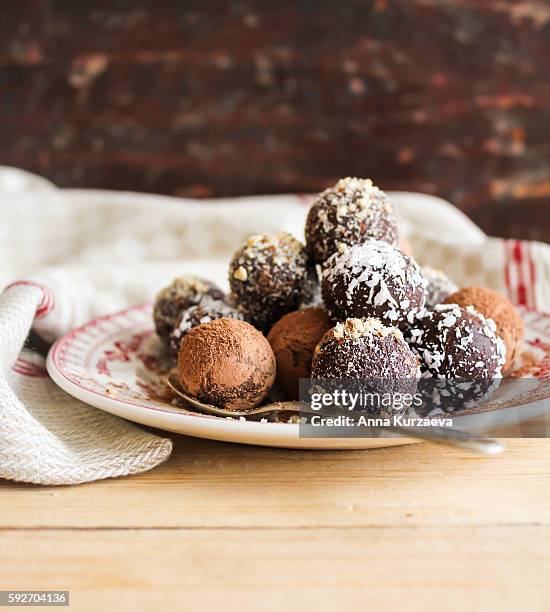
212 97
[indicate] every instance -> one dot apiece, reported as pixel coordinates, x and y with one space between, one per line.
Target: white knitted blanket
69 255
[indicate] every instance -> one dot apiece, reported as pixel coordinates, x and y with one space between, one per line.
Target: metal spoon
442 435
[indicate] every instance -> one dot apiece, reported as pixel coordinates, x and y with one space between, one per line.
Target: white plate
116 363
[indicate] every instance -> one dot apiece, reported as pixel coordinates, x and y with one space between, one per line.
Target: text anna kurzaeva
363 420
359 401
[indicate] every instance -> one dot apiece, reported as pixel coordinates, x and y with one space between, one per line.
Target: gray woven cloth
46 436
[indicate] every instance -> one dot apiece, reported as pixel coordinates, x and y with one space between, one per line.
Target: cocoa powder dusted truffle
293 340
208 310
456 342
349 213
364 349
438 286
493 305
226 363
183 292
269 277
374 279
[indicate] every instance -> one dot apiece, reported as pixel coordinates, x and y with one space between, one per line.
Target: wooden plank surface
211 484
425 568
233 527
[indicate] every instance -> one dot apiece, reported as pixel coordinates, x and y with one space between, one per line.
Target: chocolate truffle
438 287
293 340
364 348
494 305
349 213
363 355
226 363
208 310
269 277
374 279
456 342
183 292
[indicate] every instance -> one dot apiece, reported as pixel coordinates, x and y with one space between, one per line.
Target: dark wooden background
218 98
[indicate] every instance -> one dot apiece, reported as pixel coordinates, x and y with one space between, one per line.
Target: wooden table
227 527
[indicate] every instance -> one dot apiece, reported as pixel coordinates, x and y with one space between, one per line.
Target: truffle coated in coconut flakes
374 279
456 342
348 213
494 305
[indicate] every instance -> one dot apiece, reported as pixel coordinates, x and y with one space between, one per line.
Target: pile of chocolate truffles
349 303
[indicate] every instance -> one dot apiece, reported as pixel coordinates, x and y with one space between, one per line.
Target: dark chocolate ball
208 310
456 342
349 213
438 286
182 293
364 348
494 305
293 340
270 276
374 279
365 355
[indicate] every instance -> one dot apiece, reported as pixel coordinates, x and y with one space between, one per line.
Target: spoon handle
475 443
451 437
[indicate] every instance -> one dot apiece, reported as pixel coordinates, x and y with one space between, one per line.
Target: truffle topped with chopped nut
456 342
348 213
374 279
183 292
270 276
366 349
365 356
